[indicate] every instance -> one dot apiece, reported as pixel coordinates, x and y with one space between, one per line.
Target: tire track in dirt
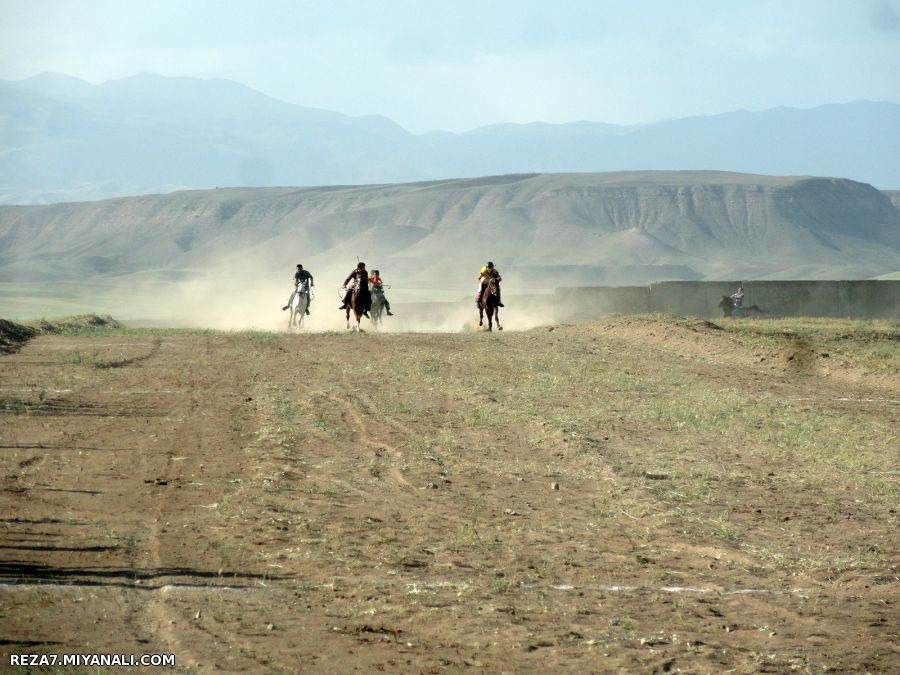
161 622
122 363
202 400
362 426
369 408
106 419
363 436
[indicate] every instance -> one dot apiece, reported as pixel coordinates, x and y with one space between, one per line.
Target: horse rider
300 276
360 278
487 273
378 288
737 301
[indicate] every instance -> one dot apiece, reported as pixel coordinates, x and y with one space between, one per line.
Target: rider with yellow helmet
487 273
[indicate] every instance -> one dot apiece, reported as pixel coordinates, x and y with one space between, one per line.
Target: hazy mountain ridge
656 224
65 139
894 196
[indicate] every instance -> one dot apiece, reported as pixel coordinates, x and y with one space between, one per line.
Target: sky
457 65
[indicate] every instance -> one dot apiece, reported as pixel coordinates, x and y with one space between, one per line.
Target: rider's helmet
376 272
299 266
490 265
361 266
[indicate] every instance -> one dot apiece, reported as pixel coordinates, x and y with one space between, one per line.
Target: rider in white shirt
300 276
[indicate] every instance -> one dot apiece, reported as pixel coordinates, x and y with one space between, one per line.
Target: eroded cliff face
716 224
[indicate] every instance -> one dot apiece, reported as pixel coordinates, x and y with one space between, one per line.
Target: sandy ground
537 501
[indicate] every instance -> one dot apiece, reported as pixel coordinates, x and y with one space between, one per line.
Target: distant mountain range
63 139
543 230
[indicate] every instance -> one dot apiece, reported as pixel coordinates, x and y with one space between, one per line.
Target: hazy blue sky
462 64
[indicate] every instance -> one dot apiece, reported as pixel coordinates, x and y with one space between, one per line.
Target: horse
299 303
360 302
490 303
377 309
726 304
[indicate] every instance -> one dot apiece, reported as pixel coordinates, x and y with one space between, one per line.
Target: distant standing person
737 301
300 276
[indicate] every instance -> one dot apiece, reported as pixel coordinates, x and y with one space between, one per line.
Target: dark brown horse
360 303
490 303
726 304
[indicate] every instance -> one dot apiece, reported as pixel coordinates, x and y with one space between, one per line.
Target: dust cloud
251 298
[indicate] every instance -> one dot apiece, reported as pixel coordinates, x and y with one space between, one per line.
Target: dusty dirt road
628 496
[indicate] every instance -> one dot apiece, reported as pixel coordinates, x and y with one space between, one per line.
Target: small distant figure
737 302
487 273
733 306
300 276
378 291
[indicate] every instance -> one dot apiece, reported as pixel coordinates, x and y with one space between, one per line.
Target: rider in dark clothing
360 278
300 276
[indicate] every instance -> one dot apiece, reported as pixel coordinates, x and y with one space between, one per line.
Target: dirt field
635 495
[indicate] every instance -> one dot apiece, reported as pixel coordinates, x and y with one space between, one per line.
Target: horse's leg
497 317
480 315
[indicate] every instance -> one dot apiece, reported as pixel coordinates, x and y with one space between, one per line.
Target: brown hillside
711 224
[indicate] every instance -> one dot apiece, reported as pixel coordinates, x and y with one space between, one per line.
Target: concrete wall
577 304
874 299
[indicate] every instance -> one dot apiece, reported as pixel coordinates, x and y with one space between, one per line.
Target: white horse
377 309
299 303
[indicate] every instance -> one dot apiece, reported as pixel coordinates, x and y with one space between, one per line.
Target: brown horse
360 303
726 304
490 303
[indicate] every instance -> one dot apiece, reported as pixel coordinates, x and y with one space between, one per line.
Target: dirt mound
690 337
799 358
13 335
